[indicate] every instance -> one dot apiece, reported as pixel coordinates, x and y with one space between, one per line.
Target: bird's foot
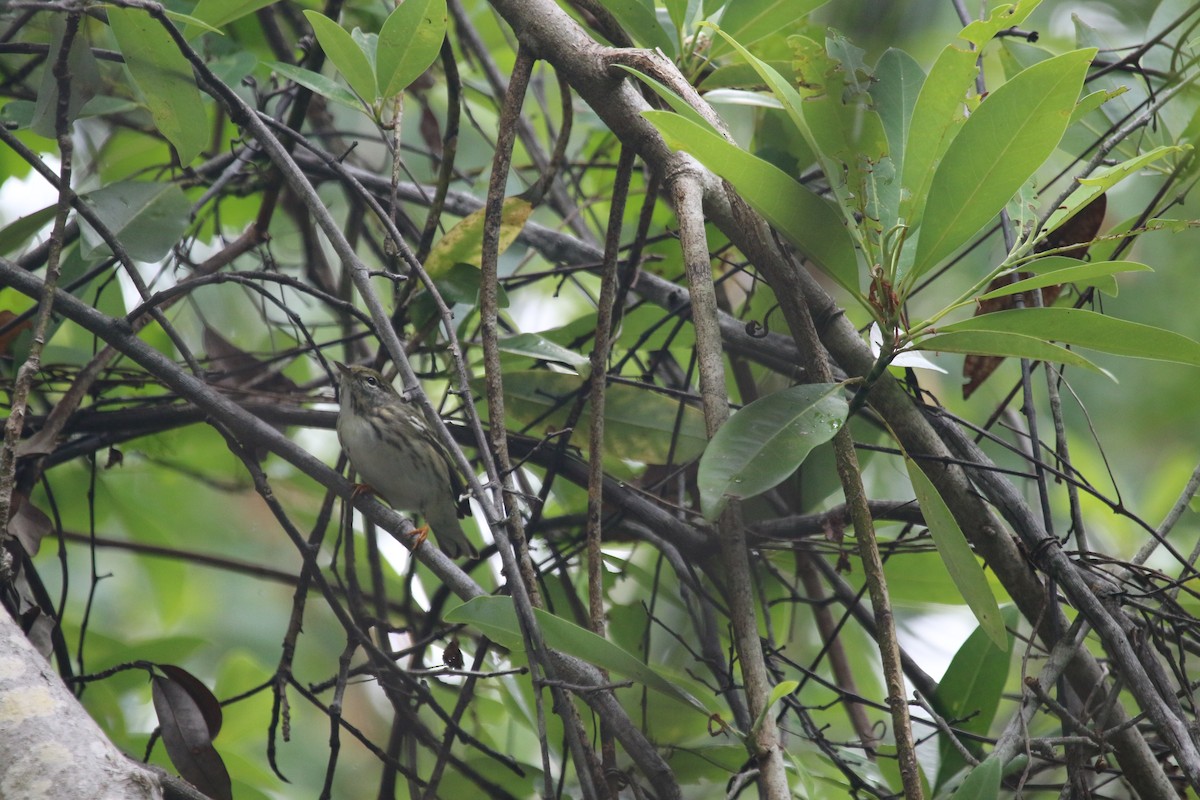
420 535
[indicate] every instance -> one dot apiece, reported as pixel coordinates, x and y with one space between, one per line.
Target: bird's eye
371 381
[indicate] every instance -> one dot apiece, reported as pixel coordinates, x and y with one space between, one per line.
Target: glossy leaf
345 54
639 424
970 691
495 617
1010 135
765 442
1003 343
808 222
408 43
164 77
147 218
1084 328
463 244
1057 270
958 557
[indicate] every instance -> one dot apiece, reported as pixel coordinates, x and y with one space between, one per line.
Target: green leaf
958 557
778 692
981 31
541 348
219 13
1002 343
408 43
898 80
495 617
938 115
191 22
970 693
322 85
793 104
346 54
982 783
1100 182
164 77
639 21
639 425
1010 135
808 222
677 103
84 84
1084 328
747 21
147 218
1062 270
849 135
765 442
20 232
463 244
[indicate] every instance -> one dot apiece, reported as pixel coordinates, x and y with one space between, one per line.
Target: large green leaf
982 783
958 557
1010 135
849 135
937 116
1083 328
898 81
408 43
1003 343
969 693
639 424
147 218
164 77
941 107
808 222
345 54
765 442
495 617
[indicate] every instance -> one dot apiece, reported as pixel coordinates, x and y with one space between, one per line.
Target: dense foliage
717 267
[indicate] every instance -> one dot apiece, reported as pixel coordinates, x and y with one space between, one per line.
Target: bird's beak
342 368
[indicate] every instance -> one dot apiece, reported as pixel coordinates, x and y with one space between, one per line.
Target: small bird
397 456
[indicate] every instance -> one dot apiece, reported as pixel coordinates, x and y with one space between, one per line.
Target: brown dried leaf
28 523
185 708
